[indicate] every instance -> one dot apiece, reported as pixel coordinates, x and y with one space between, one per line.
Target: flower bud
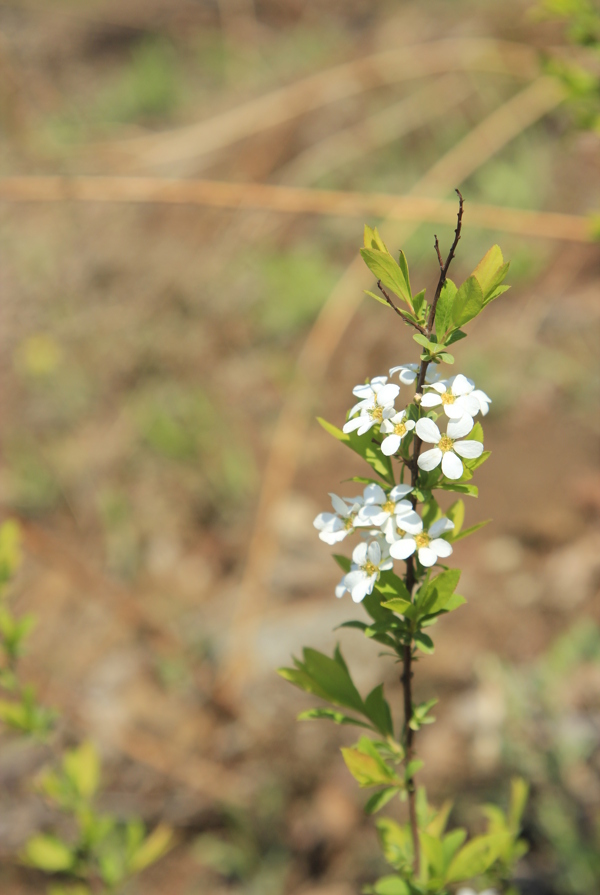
418 397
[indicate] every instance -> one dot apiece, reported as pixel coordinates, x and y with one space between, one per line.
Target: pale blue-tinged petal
430 459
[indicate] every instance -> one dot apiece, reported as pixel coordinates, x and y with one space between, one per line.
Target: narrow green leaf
519 793
391 885
419 303
331 715
384 268
421 339
459 488
152 849
366 765
378 711
496 294
456 514
373 240
378 298
344 562
379 799
471 530
443 311
403 265
332 678
364 447
468 302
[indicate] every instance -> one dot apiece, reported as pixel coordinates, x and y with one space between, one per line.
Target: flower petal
427 430
340 588
387 394
430 459
461 385
427 556
390 445
338 504
374 552
440 526
431 399
360 591
469 449
451 465
366 424
441 547
410 522
352 425
334 537
359 554
461 427
374 494
400 491
403 548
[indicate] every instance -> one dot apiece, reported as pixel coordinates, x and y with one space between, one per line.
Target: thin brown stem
446 266
398 311
410 577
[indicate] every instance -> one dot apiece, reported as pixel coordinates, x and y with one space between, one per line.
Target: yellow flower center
400 429
388 506
369 568
422 540
376 413
349 523
445 444
448 398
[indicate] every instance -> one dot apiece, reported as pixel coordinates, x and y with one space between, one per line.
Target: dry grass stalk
315 91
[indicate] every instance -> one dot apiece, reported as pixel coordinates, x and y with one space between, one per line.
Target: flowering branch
404 522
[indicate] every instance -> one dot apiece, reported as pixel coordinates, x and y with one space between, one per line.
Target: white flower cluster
392 528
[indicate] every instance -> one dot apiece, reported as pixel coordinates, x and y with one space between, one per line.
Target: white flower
484 403
334 527
409 373
377 402
368 560
395 428
429 545
446 447
454 396
378 506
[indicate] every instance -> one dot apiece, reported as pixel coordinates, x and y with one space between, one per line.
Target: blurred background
166 344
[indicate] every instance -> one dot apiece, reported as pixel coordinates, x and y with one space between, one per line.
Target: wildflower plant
100 852
418 454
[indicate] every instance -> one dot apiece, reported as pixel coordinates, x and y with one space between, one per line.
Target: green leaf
366 765
378 298
384 268
420 339
403 265
372 239
468 302
455 336
391 885
519 793
299 678
331 715
391 585
363 445
477 856
443 311
451 843
48 853
419 303
82 767
476 433
152 849
456 514
447 358
344 562
433 850
424 642
10 549
459 487
378 711
496 293
397 605
433 596
413 767
379 799
491 270
332 678
471 530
